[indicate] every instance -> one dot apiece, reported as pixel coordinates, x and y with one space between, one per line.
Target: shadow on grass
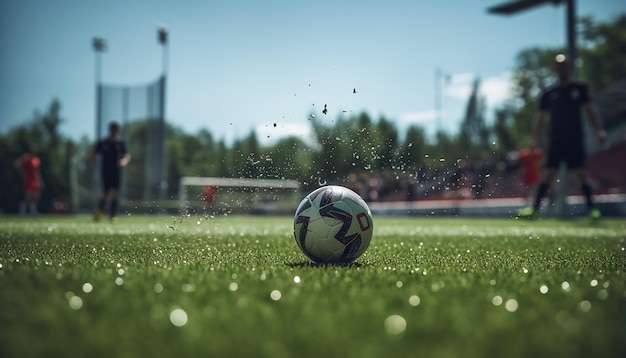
322 265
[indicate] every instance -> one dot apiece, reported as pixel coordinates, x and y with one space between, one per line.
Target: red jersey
209 193
30 171
530 159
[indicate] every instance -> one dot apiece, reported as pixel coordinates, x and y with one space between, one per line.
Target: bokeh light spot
75 302
511 305
275 295
87 287
178 317
395 324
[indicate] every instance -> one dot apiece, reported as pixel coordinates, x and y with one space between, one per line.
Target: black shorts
111 181
572 154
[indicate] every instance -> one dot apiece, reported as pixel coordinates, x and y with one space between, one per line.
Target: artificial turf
238 286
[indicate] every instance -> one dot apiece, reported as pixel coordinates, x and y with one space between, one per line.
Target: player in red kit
530 159
28 165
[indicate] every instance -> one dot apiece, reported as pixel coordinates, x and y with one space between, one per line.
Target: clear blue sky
235 66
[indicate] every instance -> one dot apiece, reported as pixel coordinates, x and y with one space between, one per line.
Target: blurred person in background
563 103
531 159
28 165
114 156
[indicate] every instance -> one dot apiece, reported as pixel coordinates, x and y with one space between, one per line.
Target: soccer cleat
595 214
97 214
527 213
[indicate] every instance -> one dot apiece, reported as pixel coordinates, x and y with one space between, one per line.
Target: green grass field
240 287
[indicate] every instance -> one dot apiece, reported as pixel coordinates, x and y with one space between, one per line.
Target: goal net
140 111
208 195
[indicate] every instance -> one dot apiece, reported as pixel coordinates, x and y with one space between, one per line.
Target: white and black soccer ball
333 224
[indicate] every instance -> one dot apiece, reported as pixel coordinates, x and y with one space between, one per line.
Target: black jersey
564 104
111 151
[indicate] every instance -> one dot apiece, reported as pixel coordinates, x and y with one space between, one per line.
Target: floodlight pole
438 99
99 46
516 6
571 35
162 33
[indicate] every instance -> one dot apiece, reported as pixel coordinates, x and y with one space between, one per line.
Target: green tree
363 137
386 144
473 138
413 148
602 64
55 153
503 136
251 166
602 52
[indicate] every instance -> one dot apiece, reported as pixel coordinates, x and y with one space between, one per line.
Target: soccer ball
333 224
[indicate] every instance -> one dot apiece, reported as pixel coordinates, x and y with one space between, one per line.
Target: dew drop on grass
585 306
158 288
565 286
275 295
178 317
543 289
119 281
399 284
496 300
75 302
593 283
87 287
511 305
414 300
296 279
233 286
395 324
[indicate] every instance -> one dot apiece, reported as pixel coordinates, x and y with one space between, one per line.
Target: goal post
238 195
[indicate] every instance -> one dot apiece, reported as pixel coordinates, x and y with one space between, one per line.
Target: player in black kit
113 157
563 102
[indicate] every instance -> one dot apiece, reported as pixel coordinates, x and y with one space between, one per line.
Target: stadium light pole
516 6
99 46
513 7
162 34
439 77
438 99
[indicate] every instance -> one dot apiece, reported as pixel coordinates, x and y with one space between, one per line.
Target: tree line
344 146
